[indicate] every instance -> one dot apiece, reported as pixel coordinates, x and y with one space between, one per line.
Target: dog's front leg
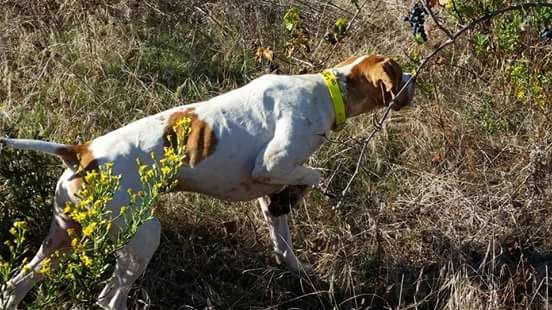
280 161
279 233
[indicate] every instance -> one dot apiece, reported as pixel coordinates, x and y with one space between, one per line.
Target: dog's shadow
224 266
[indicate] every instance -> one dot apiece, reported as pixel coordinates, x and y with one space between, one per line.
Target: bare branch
436 20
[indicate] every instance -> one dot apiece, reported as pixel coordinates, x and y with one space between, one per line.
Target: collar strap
337 98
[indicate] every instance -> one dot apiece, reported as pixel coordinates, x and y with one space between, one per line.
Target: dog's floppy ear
389 73
372 82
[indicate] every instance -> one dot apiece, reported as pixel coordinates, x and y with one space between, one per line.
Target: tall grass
451 208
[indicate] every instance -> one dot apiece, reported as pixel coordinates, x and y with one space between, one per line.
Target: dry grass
452 206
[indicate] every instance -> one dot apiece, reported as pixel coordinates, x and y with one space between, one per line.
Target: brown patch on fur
347 61
78 157
373 82
199 144
75 184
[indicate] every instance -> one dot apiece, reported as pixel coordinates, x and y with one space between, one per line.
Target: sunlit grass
440 189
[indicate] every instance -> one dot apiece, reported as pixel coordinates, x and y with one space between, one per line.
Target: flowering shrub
16 248
86 265
529 86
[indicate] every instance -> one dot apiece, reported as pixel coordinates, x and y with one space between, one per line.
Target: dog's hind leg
57 240
281 238
132 260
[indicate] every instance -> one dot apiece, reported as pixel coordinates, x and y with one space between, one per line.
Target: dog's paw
314 177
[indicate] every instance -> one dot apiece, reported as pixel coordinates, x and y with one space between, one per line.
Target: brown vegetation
452 206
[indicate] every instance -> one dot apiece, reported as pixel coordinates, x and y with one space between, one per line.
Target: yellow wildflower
87 261
84 192
520 94
88 230
90 176
103 178
142 169
13 231
79 216
96 207
165 171
75 242
123 210
88 200
170 155
183 122
68 208
20 224
106 199
26 268
46 266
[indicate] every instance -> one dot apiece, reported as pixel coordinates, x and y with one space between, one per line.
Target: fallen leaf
437 159
264 53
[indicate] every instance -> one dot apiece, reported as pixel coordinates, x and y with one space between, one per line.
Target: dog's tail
69 154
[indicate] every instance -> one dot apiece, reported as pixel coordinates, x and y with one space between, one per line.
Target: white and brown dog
247 144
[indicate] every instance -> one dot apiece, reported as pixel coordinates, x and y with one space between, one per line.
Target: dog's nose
405 98
408 78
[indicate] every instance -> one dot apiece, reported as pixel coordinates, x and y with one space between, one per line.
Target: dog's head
372 81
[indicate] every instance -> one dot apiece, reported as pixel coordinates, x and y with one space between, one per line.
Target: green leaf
291 18
419 39
340 26
482 43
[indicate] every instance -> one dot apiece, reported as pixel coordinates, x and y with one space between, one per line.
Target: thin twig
350 182
435 19
452 39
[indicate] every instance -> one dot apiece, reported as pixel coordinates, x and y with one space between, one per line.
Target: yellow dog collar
337 98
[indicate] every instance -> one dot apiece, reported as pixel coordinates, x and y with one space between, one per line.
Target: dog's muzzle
407 95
